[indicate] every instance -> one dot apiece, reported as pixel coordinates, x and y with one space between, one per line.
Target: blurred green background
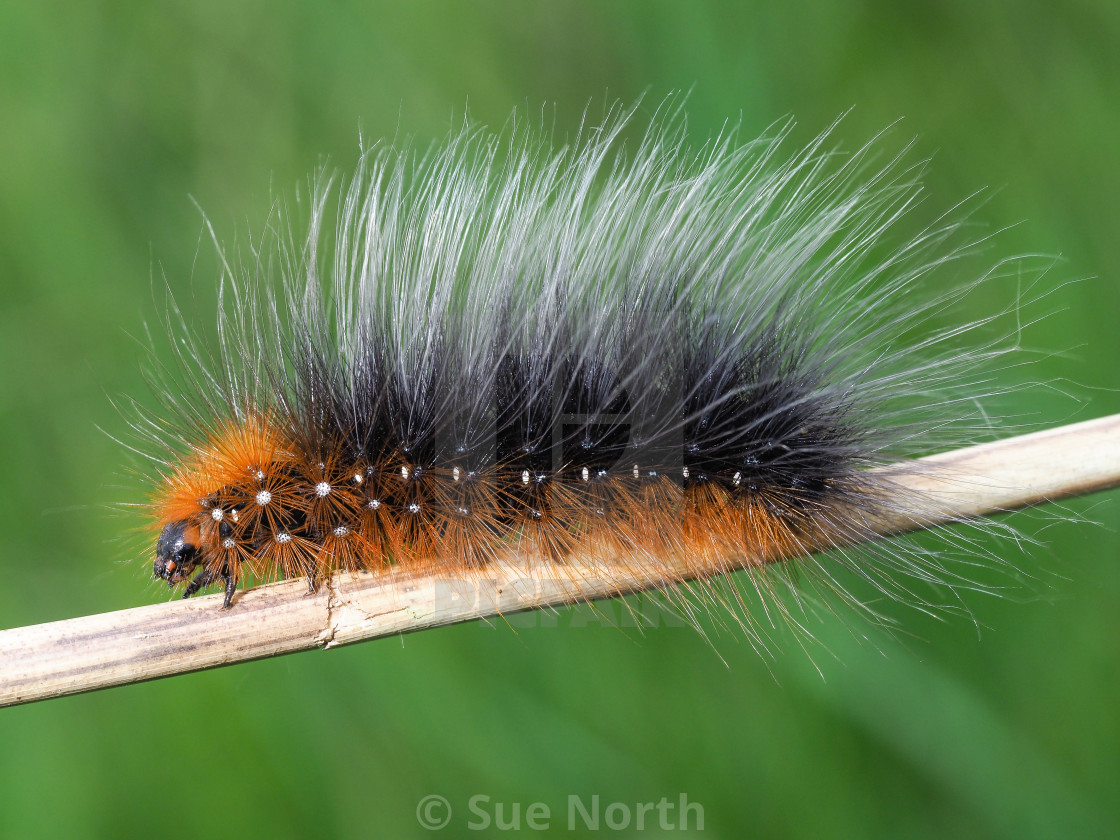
114 115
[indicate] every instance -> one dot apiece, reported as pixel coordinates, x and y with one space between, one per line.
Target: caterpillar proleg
653 356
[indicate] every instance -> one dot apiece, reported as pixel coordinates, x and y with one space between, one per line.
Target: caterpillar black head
176 552
179 552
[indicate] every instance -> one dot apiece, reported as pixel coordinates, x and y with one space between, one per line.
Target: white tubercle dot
414 508
259 475
263 498
373 504
524 476
228 543
217 514
283 537
341 531
322 489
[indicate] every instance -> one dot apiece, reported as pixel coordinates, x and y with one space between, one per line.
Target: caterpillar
622 352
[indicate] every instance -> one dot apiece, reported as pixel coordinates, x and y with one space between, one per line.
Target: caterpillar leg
203 578
231 587
207 577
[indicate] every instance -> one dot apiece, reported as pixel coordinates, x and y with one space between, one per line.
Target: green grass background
113 115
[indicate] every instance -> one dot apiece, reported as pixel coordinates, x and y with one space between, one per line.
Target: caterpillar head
176 552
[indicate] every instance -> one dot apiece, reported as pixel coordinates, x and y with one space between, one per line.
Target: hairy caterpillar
510 347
